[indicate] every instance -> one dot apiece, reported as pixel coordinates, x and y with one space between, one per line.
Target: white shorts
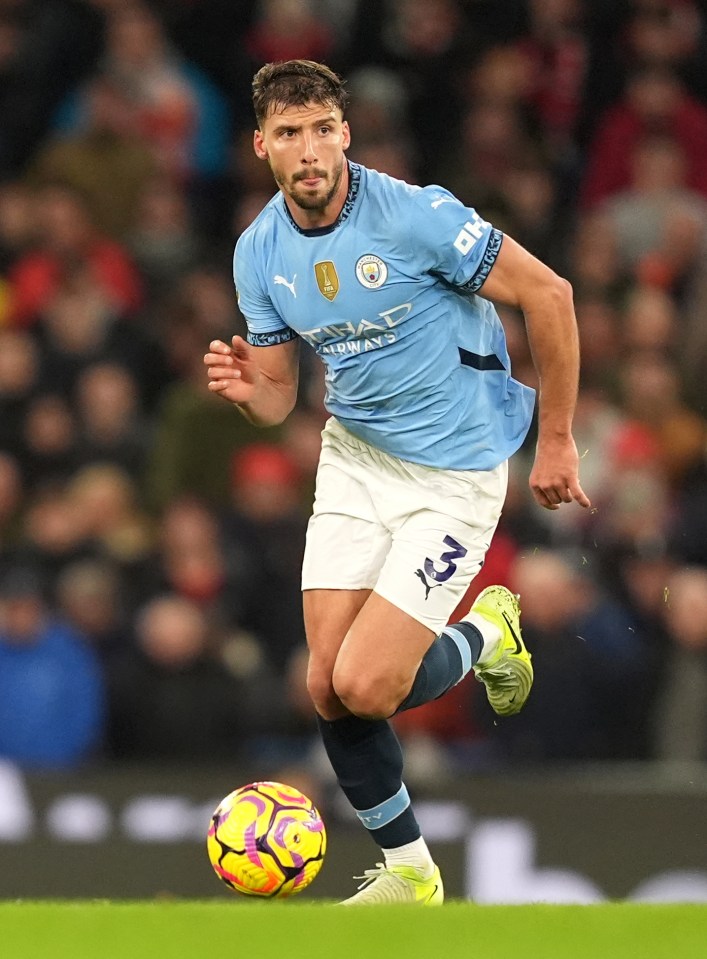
414 534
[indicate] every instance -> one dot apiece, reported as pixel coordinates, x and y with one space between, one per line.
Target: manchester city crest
371 271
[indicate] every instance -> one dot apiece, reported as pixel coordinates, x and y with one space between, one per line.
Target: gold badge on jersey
327 278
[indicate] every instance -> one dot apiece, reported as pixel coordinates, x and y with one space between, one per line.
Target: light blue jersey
416 362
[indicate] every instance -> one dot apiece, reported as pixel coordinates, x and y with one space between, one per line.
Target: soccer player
392 285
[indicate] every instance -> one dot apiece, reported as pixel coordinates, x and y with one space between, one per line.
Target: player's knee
324 699
367 697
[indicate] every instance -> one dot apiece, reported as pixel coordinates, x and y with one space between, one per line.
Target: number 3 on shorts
457 551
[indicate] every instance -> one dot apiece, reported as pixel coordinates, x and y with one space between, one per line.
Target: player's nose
309 151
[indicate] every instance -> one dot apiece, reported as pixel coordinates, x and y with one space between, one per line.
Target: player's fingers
579 496
218 346
565 494
213 359
223 373
542 498
240 347
553 494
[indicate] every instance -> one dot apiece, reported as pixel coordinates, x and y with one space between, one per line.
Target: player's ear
259 145
346 134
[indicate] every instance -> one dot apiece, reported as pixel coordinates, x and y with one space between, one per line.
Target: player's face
305 149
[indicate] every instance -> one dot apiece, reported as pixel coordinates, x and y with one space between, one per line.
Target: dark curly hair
296 83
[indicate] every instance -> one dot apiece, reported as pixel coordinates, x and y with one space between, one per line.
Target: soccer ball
266 839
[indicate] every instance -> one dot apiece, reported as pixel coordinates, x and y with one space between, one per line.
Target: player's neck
316 219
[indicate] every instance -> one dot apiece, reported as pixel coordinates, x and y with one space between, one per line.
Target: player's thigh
346 542
437 551
345 550
342 560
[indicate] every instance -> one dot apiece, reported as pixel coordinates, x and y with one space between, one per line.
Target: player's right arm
261 381
260 374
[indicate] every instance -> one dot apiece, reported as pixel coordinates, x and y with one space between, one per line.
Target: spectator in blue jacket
51 685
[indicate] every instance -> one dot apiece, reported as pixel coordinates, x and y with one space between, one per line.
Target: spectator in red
556 53
264 528
657 225
655 103
289 28
68 239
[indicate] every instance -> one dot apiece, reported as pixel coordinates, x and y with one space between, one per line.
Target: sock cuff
457 634
385 812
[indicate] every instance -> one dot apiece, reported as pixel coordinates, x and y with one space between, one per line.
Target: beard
312 201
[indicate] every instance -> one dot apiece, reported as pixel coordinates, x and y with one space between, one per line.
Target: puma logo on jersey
443 199
281 281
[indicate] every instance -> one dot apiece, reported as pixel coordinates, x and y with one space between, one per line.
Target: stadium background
150 633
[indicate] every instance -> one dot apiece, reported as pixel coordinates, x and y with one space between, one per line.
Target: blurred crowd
151 539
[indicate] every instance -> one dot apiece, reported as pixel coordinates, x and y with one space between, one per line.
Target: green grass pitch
194 930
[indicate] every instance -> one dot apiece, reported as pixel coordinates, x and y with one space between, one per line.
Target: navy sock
368 762
446 662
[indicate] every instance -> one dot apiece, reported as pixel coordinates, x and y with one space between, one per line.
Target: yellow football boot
508 674
397 884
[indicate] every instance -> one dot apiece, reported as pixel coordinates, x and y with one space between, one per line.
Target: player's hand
554 478
232 370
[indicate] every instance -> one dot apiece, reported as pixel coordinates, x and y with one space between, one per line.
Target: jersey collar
354 184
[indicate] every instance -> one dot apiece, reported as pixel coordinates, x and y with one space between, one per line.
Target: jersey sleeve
265 325
452 240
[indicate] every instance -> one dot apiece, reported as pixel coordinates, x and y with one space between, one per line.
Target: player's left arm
518 279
